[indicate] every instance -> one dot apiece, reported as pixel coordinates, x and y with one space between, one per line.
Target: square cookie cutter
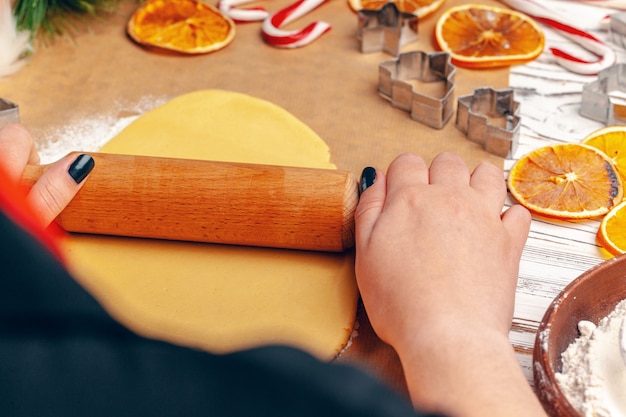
386 29
604 100
395 83
491 119
9 112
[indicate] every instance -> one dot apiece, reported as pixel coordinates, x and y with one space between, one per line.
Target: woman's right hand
437 265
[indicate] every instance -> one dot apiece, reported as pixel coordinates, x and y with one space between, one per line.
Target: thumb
58 185
373 192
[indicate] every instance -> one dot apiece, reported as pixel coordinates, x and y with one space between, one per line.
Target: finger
58 185
16 147
33 157
489 180
516 220
371 202
406 170
448 168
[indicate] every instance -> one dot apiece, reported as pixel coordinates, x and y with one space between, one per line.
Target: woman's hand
437 265
59 183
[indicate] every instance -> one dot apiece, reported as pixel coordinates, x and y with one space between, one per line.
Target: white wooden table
556 252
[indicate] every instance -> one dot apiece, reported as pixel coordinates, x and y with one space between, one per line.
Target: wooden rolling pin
217 202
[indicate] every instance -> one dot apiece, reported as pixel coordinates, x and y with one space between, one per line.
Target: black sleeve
62 355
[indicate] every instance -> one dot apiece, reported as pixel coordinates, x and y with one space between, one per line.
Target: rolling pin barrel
215 202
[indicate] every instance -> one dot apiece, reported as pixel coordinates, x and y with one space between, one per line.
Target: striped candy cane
606 55
611 4
293 38
253 14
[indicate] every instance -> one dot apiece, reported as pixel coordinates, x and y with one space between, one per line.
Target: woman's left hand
58 184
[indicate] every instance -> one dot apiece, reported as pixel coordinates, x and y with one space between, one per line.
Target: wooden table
550 97
77 93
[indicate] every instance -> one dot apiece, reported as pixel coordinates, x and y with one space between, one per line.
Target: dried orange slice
566 181
479 36
612 232
612 141
420 8
187 26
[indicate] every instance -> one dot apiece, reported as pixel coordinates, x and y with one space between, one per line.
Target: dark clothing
61 354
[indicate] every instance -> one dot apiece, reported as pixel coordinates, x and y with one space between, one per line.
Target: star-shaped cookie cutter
400 81
9 112
490 118
386 29
604 100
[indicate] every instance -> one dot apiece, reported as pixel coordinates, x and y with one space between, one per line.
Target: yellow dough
217 297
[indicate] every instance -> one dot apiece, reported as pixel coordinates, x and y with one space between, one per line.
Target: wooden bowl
592 296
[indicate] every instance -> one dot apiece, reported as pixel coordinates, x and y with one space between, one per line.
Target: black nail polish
81 167
368 178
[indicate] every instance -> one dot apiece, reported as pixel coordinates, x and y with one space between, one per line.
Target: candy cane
606 55
293 38
611 4
253 14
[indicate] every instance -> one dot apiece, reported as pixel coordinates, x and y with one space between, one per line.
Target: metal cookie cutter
604 100
395 84
9 112
386 29
490 118
617 29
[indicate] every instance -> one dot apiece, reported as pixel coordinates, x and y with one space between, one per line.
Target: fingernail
368 178
81 167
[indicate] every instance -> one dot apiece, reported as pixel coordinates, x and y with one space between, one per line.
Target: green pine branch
58 17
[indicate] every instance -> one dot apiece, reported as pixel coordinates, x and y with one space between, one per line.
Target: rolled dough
217 297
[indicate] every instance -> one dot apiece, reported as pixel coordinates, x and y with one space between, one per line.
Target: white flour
92 133
594 375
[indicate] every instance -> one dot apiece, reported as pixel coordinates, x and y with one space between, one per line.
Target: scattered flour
92 133
594 374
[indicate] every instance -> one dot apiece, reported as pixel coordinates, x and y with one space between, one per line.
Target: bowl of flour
577 364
